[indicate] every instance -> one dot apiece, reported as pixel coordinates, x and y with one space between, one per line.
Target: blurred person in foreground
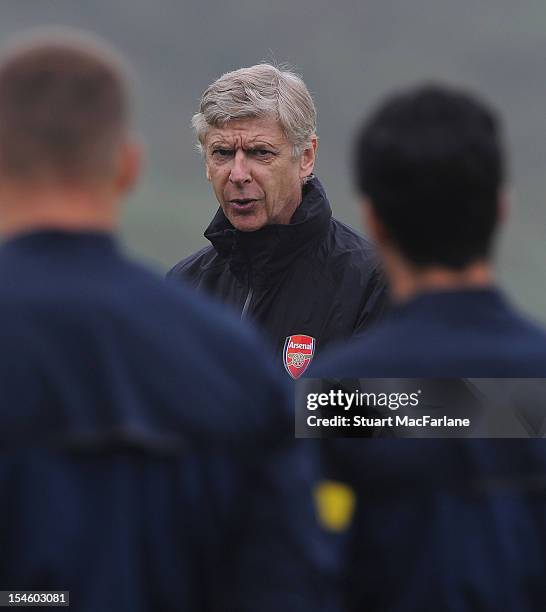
441 524
277 255
136 470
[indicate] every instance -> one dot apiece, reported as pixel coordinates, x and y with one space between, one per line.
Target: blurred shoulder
369 355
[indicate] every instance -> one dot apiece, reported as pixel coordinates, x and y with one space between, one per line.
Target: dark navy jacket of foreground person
145 463
451 525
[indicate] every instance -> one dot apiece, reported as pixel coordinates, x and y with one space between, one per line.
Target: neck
407 283
288 211
66 209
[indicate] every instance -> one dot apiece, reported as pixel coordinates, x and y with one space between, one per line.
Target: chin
246 225
243 227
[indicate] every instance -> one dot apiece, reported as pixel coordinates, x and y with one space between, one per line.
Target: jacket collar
257 256
452 305
58 239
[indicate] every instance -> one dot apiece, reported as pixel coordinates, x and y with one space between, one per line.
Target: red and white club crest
298 353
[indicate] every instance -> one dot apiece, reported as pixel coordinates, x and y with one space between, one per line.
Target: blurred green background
350 53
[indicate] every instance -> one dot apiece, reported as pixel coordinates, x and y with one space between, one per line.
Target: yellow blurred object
335 503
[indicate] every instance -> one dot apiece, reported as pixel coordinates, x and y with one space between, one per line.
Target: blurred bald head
64 109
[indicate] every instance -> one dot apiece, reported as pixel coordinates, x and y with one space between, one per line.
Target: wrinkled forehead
244 132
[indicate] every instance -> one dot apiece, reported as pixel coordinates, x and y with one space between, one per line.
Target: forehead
248 130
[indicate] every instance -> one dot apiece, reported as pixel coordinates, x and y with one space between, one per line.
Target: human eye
262 153
221 153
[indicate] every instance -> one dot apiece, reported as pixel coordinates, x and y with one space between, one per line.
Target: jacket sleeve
375 303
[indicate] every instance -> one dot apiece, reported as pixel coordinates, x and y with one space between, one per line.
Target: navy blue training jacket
451 525
145 461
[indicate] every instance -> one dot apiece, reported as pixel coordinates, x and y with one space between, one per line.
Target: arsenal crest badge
298 353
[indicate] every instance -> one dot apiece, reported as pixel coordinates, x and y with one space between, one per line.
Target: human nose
240 172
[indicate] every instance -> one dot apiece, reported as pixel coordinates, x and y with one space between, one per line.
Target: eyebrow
251 146
221 144
262 144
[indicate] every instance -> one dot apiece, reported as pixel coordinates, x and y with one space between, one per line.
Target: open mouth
242 203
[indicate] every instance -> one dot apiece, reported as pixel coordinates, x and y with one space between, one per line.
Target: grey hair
259 91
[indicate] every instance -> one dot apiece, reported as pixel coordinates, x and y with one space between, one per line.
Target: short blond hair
64 107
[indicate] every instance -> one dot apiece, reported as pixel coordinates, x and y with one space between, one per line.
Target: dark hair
63 109
431 163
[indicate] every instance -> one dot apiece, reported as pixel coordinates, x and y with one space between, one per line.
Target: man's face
255 177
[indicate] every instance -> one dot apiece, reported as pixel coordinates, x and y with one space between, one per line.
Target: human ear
130 165
307 159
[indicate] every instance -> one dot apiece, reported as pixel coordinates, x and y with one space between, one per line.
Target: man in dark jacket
136 470
441 524
277 255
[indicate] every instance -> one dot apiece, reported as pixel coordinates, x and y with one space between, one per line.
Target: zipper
247 303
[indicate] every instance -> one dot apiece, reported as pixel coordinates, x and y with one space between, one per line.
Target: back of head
430 161
63 108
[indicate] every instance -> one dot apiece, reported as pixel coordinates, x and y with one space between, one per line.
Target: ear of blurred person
74 205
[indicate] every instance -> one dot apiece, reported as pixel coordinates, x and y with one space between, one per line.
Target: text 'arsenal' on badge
298 353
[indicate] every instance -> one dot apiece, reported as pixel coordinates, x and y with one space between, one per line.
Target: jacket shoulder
345 240
195 265
509 348
348 256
